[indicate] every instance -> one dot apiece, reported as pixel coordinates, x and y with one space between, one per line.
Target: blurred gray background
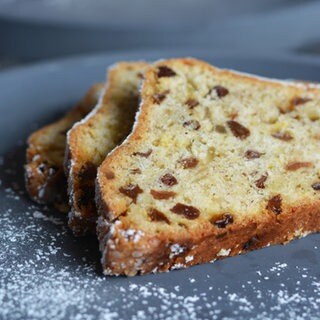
35 30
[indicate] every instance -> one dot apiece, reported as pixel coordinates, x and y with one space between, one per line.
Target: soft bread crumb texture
91 139
252 144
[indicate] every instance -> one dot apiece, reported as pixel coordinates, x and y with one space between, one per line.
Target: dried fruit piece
123 214
162 194
188 163
188 212
220 128
140 75
274 204
110 175
164 71
260 182
299 100
135 171
251 243
316 186
159 97
157 216
293 103
42 167
192 124
48 168
143 154
132 191
223 220
168 179
252 154
191 103
220 90
238 129
293 166
285 136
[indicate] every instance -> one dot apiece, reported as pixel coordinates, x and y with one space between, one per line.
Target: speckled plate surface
45 273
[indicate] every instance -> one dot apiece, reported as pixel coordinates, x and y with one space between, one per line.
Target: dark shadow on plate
312 48
12 171
81 251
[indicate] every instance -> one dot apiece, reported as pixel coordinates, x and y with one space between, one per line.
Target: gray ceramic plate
164 14
45 273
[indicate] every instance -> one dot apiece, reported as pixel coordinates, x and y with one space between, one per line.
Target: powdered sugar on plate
46 273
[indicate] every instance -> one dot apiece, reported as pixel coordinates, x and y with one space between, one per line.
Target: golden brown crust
81 161
126 249
150 253
44 174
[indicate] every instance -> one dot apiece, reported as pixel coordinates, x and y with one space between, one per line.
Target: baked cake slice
218 163
44 174
89 141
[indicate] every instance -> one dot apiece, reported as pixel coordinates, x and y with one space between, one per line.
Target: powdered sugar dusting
189 258
39 215
223 252
132 235
46 273
175 250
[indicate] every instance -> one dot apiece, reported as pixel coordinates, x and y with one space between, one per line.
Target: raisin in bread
45 179
218 163
91 139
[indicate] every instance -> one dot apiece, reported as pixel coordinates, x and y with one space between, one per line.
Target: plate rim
74 60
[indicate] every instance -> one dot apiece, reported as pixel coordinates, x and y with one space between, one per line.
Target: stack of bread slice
181 163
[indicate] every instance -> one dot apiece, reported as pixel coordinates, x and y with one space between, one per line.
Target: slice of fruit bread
218 163
90 140
44 174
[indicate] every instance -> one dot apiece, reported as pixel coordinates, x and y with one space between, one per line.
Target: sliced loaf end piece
44 174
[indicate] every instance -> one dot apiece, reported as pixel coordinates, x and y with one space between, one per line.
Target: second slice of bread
218 163
91 139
